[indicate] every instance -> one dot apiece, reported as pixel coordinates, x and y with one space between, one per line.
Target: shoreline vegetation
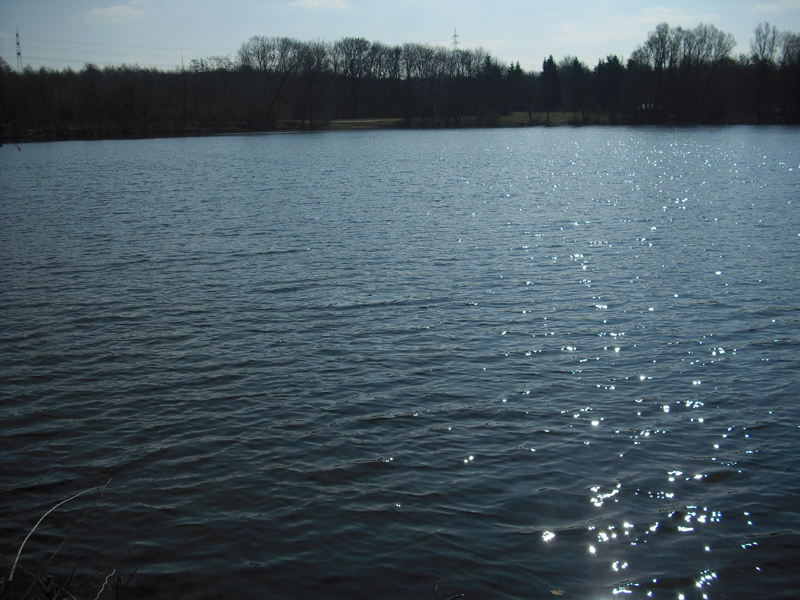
514 120
676 76
511 121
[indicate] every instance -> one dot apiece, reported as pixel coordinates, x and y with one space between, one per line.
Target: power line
68 61
52 42
141 47
87 56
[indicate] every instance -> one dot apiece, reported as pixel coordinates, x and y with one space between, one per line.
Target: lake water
406 364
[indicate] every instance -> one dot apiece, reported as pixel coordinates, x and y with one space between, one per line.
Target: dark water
407 364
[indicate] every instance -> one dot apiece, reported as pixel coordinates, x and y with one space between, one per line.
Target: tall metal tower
19 54
455 41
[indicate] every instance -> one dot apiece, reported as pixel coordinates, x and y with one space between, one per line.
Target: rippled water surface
407 364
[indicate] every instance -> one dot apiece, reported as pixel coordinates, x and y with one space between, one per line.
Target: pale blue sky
58 33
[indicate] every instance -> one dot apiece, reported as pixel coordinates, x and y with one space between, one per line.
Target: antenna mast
455 41
19 54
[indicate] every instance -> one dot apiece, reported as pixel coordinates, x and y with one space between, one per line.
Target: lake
503 363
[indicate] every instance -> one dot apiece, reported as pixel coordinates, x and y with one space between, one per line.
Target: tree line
676 76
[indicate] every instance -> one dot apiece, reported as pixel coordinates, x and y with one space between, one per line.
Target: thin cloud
626 27
3 34
337 4
778 6
112 14
651 17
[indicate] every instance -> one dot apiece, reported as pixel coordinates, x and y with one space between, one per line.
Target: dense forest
675 76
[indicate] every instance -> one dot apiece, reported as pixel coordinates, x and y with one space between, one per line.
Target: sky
157 33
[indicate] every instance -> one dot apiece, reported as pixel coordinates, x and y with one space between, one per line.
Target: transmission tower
19 54
455 41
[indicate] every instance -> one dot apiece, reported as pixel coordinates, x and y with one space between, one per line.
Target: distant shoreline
515 120
677 77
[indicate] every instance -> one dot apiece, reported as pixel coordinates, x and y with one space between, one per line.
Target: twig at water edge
105 583
11 577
